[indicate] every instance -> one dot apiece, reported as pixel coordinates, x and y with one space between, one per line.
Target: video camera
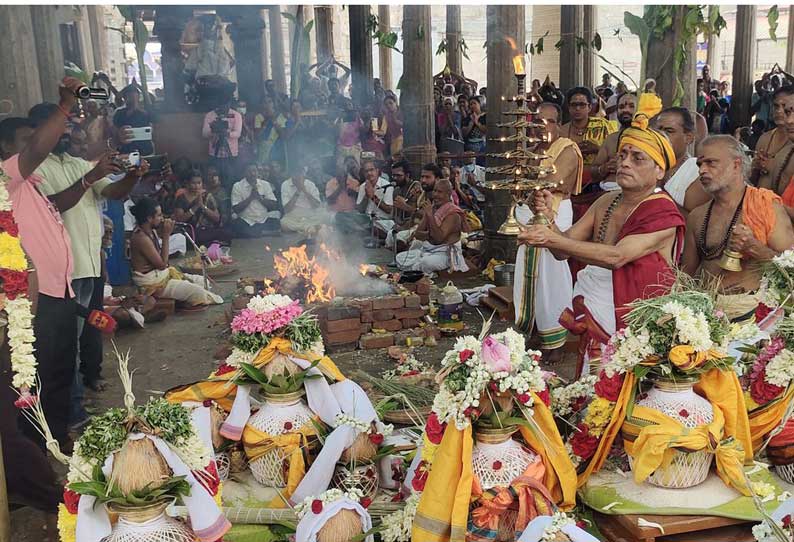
219 126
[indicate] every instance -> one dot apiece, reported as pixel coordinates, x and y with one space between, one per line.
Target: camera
90 93
219 126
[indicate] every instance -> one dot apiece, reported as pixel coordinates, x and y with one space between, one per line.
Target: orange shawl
758 212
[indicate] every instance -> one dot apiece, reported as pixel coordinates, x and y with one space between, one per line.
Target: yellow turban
650 104
654 144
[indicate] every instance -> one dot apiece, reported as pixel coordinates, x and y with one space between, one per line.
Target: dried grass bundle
137 465
342 527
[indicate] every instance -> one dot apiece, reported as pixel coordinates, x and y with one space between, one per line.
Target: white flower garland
763 532
558 521
266 303
355 423
562 398
408 364
193 452
627 349
692 329
80 468
397 526
327 497
20 341
238 357
524 376
780 370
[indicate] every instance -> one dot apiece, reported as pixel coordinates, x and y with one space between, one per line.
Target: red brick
424 299
388 302
376 340
423 286
343 337
363 305
388 325
412 301
343 312
347 324
383 315
366 328
409 323
409 313
367 317
433 331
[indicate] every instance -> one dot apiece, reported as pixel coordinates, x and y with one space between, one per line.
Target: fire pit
358 306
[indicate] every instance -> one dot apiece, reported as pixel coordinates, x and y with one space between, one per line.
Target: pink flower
496 355
26 400
250 322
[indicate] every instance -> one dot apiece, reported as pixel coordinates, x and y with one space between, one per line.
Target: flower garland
559 521
355 423
572 398
315 504
583 442
268 316
764 532
407 366
770 372
498 364
397 526
777 281
14 277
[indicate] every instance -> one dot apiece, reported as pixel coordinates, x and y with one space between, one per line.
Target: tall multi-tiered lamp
521 173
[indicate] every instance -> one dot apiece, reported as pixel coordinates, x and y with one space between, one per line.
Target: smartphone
133 159
144 133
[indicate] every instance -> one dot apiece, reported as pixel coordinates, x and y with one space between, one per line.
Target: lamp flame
518 65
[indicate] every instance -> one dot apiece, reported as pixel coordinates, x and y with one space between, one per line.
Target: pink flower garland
250 322
761 391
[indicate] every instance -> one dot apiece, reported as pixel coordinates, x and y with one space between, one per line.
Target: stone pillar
743 65
84 38
790 41
265 48
19 73
308 15
505 37
416 99
99 42
571 26
590 75
361 54
659 64
546 17
384 25
246 33
49 52
277 48
454 35
168 26
324 30
714 53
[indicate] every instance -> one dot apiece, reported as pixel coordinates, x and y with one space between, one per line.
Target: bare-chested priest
543 284
773 165
741 218
629 239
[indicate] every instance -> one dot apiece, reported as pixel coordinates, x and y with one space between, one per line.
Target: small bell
731 260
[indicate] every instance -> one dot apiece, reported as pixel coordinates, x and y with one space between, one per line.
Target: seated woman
199 209
149 258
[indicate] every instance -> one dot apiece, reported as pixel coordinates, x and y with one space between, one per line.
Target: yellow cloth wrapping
444 506
764 419
280 345
649 104
722 390
222 392
258 443
655 445
442 514
653 143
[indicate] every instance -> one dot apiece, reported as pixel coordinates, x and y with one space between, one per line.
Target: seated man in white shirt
472 175
254 206
374 203
303 210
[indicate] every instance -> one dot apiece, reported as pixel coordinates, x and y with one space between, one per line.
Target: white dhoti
542 287
402 236
188 289
305 220
428 258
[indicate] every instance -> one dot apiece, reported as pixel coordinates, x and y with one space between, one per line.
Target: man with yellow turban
629 239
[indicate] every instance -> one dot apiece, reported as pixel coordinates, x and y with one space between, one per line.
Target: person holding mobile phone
132 115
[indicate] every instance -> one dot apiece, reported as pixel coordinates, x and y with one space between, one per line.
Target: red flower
26 400
376 439
434 429
684 413
7 224
420 476
786 521
223 369
288 426
583 443
523 398
494 387
398 497
207 403
317 506
761 312
411 373
465 355
582 524
497 465
609 388
544 396
579 403
365 502
761 391
70 500
14 282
